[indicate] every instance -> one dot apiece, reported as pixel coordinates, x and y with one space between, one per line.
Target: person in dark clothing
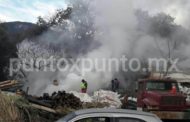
116 84
113 85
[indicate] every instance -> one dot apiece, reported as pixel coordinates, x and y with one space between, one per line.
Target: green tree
7 50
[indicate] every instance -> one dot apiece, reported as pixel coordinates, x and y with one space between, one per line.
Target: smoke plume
110 29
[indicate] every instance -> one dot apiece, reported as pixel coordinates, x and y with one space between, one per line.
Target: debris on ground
23 107
57 99
101 98
84 97
112 98
10 85
15 108
95 105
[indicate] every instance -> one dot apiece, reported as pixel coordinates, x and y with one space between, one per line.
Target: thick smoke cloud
179 9
110 29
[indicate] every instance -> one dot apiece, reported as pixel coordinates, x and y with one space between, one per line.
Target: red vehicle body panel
160 100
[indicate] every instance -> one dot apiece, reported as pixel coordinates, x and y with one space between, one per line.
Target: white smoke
179 9
116 33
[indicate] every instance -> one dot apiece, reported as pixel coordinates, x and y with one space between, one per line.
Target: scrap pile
112 98
10 85
84 97
63 102
57 100
51 107
100 99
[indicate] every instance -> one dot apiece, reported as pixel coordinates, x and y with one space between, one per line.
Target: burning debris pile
76 100
57 104
57 100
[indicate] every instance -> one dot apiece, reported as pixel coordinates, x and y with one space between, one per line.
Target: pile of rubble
57 99
112 98
84 97
10 85
51 107
101 98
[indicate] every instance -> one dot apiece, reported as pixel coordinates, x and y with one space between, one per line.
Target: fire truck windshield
161 85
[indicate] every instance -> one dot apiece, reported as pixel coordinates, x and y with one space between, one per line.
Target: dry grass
14 108
8 111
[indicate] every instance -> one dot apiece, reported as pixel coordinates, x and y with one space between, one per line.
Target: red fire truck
163 98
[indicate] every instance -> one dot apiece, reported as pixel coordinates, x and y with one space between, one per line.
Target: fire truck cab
162 97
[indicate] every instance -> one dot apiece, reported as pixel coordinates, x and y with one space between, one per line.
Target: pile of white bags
112 98
101 96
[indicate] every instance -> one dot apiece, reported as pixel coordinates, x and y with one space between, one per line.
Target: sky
28 10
